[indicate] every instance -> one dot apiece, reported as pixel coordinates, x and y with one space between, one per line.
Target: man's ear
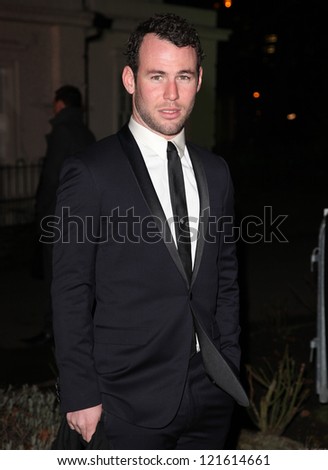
128 79
200 78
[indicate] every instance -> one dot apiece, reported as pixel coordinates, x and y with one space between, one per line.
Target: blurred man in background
68 136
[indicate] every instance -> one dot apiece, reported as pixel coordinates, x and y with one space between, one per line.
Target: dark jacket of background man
68 136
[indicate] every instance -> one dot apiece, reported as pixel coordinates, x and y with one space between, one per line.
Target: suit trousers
202 421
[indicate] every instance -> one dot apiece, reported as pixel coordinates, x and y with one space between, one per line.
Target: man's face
164 91
58 105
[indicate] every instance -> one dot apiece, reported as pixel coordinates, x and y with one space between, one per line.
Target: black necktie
179 207
180 214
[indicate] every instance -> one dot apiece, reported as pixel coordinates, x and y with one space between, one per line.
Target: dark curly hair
70 95
169 27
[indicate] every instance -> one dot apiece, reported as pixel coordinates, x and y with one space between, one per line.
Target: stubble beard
167 129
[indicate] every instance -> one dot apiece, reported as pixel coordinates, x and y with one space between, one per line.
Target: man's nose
171 91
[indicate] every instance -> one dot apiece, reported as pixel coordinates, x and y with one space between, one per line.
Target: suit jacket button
190 295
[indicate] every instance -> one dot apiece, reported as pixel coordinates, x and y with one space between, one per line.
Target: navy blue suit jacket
121 300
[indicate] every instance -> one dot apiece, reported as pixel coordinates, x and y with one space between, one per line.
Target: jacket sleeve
73 286
227 314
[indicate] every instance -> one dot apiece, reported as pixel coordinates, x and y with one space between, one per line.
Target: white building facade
45 44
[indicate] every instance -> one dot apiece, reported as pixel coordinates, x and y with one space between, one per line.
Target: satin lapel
147 189
203 208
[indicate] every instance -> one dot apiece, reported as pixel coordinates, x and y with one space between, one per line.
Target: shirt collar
148 139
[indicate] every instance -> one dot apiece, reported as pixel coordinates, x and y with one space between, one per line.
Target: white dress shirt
154 151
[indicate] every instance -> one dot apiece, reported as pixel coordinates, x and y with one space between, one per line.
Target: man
131 294
68 135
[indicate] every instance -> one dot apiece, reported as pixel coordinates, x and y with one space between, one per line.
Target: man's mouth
170 113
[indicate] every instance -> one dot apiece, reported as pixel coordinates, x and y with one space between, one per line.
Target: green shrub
29 418
282 395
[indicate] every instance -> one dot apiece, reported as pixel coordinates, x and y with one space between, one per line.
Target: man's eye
156 78
184 77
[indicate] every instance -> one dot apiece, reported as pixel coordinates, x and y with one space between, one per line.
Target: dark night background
289 71
277 148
